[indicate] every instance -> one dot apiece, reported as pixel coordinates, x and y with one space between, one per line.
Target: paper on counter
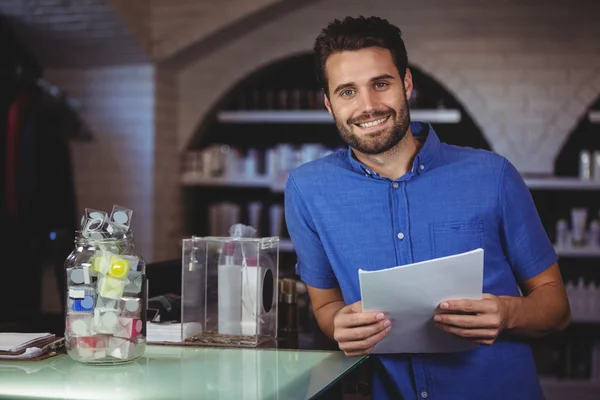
409 295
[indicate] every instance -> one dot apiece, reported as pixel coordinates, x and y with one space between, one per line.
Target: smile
373 123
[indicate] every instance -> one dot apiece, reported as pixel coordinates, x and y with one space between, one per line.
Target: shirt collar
424 159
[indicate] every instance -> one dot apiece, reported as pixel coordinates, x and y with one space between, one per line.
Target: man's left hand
480 321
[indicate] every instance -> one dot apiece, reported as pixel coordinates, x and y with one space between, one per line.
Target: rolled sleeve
313 266
526 243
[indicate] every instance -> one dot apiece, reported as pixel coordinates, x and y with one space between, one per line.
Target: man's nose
368 101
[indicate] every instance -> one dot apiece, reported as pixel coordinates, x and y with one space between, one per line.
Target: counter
172 372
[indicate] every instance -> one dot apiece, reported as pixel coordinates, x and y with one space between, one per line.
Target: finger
357 319
359 353
478 334
363 345
360 333
487 342
469 321
467 306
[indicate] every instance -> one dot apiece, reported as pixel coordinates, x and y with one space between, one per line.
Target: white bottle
570 289
229 292
562 233
595 304
594 234
579 299
590 301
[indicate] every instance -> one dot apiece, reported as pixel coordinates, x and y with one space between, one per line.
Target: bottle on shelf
578 221
585 165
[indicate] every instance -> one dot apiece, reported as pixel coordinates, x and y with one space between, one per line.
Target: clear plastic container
229 291
106 300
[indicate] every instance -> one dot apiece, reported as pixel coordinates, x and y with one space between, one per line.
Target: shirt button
395 185
424 395
422 167
401 236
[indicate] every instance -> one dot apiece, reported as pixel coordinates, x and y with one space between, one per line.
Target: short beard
369 144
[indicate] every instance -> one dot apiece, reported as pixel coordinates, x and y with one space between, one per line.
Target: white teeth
372 123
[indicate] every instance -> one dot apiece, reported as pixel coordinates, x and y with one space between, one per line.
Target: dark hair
355 34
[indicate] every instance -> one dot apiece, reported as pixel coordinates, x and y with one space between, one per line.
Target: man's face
368 99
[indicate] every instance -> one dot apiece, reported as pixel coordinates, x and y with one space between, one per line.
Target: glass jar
106 300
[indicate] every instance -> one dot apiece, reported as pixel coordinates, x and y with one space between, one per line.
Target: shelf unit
561 183
440 116
551 382
578 252
276 186
286 245
550 183
559 389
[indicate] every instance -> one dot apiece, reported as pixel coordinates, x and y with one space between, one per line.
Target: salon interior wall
525 71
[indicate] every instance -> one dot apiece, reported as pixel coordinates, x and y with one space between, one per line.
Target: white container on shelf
578 222
585 165
562 233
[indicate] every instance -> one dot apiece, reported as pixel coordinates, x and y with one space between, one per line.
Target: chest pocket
449 238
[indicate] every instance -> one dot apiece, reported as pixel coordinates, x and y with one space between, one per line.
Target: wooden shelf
441 116
561 183
594 116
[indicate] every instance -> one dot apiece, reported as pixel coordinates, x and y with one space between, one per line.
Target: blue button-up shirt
342 217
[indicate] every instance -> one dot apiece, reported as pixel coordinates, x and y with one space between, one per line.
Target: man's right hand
357 332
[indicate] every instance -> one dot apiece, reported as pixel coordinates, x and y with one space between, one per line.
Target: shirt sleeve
526 243
313 266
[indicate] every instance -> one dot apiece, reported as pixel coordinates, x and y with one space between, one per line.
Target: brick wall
526 71
117 166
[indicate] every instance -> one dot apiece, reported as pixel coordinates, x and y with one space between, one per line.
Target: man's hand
481 321
357 332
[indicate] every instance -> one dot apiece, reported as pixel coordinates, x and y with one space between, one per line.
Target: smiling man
397 196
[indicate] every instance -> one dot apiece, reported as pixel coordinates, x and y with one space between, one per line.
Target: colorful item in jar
80 325
92 222
121 348
118 267
82 305
134 283
110 287
120 218
104 303
79 292
78 275
105 321
128 328
100 262
91 347
130 307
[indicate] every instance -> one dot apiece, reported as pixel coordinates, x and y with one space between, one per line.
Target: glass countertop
171 372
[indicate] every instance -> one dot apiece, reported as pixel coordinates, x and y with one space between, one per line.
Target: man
399 196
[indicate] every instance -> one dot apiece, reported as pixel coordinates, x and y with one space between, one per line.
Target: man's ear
327 103
408 83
